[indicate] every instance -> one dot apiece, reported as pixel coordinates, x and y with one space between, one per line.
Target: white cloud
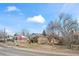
36 19
12 8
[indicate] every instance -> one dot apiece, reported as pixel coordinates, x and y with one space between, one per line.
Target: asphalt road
9 51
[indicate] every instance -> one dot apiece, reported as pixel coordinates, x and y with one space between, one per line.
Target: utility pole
4 34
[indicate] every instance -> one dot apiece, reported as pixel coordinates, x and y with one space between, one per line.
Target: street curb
47 52
38 51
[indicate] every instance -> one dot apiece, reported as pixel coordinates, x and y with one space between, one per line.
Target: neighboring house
42 39
20 40
76 35
76 38
21 37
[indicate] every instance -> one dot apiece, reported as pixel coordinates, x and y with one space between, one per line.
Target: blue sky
33 17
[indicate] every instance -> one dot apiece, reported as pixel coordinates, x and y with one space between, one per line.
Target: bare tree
65 25
67 28
3 35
